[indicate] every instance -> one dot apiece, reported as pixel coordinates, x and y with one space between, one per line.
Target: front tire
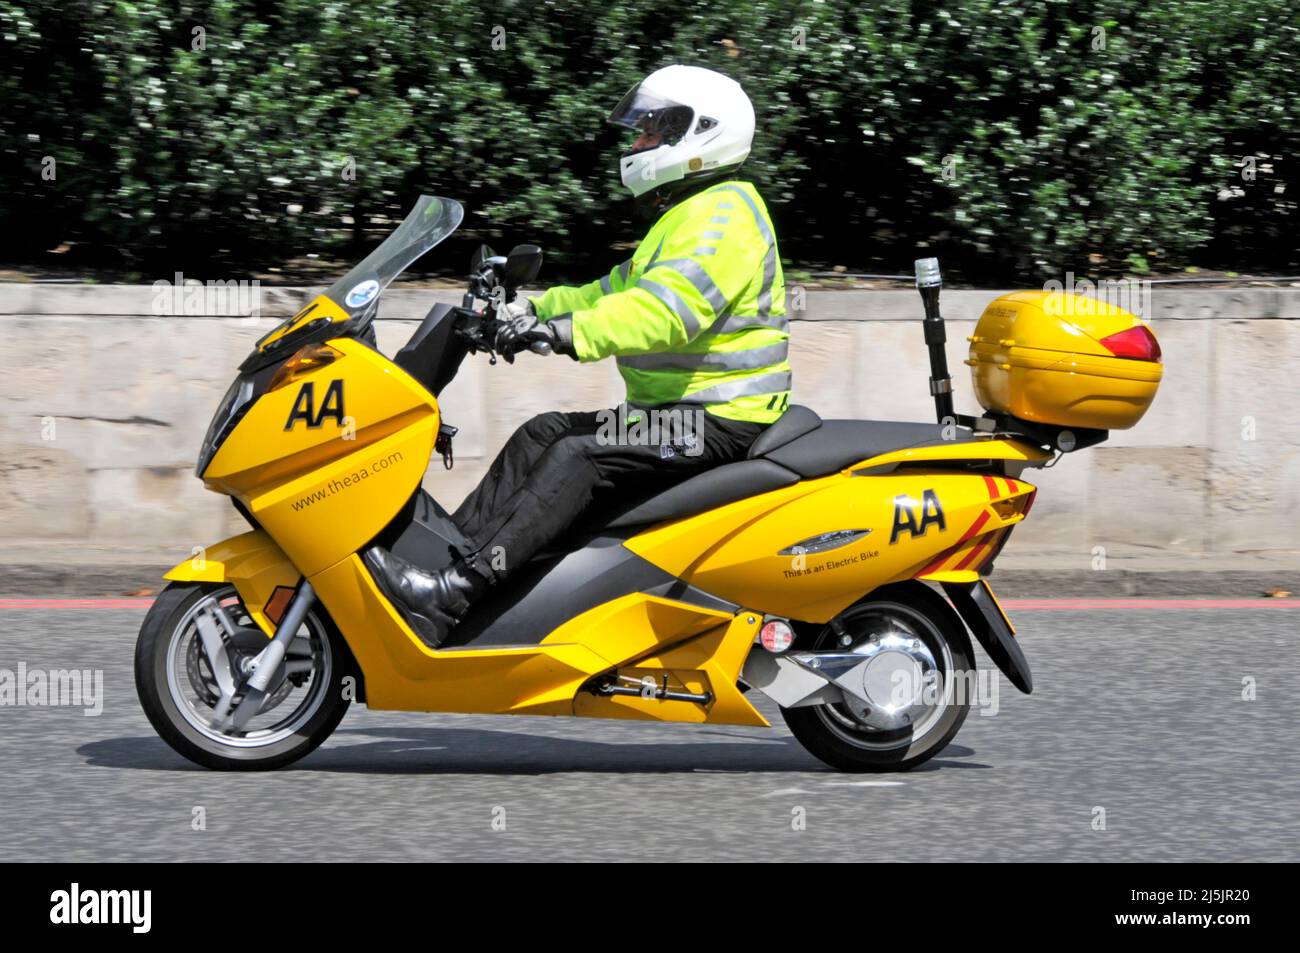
179 687
843 735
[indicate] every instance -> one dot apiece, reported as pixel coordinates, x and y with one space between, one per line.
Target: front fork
267 668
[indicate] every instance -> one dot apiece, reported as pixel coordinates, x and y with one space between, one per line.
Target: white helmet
704 118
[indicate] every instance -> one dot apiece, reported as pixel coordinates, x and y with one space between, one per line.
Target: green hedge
1005 137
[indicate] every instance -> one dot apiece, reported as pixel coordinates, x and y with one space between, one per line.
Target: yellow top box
1064 359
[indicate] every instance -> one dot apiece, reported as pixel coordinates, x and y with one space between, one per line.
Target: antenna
929 280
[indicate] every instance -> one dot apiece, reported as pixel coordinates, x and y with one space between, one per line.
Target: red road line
1029 605
100 603
1069 604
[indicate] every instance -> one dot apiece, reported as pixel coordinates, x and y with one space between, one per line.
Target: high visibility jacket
697 314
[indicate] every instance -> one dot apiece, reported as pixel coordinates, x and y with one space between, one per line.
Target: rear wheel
194 654
916 657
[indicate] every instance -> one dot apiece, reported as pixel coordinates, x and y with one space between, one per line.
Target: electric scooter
840 570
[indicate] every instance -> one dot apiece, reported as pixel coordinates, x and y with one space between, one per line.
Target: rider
695 320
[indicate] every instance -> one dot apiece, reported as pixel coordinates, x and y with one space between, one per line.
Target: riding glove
525 331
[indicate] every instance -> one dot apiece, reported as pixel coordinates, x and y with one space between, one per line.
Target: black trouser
553 466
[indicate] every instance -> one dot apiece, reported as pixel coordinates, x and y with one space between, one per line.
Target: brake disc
205 685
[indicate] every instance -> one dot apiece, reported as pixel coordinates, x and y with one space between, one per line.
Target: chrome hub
893 684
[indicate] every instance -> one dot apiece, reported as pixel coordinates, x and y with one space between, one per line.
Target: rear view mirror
522 266
481 254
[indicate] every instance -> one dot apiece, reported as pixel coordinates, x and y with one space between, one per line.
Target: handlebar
495 279
478 330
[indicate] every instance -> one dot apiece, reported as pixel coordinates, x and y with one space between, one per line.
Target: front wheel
914 683
192 658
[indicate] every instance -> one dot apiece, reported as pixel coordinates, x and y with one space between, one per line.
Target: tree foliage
1013 139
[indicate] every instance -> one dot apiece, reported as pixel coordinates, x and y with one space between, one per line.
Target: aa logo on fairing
304 405
908 520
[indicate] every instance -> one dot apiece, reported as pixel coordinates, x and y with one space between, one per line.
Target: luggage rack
929 282
1049 436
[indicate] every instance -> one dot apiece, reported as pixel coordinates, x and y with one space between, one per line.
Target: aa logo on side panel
908 520
304 405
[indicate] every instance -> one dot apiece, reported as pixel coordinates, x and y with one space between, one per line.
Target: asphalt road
1136 711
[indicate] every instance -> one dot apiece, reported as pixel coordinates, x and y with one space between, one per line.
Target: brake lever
490 345
474 337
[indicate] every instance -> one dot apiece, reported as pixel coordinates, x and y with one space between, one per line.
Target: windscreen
432 220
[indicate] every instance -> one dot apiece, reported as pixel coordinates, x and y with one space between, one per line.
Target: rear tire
838 737
168 672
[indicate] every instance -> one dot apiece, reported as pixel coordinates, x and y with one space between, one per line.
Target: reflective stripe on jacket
697 314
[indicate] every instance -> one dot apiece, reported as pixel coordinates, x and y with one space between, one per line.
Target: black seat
716 487
795 422
798 446
836 444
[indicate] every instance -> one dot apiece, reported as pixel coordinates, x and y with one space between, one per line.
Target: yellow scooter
837 570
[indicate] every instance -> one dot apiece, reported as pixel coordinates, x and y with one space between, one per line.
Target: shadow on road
395 750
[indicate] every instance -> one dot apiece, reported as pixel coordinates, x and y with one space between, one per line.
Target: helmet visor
645 112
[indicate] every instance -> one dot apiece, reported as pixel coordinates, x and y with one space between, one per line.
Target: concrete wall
105 406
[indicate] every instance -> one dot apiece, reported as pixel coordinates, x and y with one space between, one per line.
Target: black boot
430 602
